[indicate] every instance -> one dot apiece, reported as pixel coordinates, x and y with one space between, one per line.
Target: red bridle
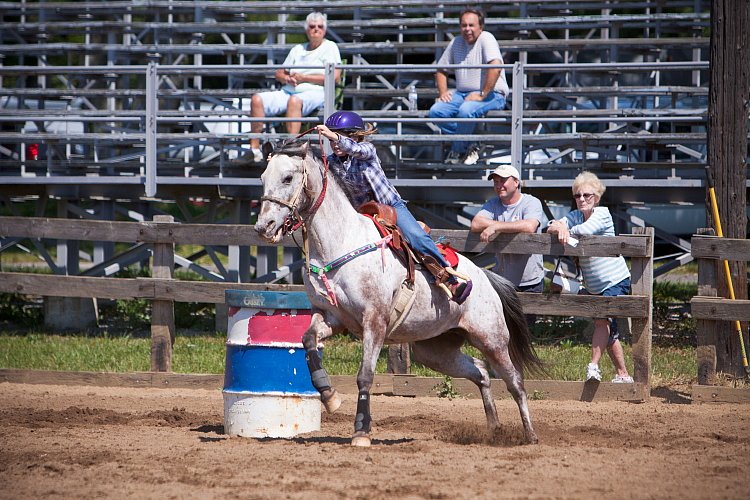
294 220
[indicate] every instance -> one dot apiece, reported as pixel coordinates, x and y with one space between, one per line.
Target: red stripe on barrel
283 326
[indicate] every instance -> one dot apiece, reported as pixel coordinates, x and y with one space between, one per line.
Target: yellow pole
727 273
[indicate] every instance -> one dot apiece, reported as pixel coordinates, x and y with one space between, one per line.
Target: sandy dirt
93 442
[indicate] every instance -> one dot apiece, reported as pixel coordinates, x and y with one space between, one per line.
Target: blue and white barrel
267 387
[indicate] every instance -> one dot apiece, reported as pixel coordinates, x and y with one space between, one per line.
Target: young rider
356 160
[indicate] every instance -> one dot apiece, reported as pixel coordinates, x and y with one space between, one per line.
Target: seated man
302 91
478 90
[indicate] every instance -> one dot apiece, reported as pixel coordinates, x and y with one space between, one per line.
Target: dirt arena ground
93 442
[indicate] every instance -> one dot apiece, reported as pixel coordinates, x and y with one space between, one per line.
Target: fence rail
163 289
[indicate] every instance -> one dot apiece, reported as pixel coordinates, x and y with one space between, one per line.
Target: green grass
122 343
341 355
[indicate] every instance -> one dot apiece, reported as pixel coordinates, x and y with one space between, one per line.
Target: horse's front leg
373 335
319 330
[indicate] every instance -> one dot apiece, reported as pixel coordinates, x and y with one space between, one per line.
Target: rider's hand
327 133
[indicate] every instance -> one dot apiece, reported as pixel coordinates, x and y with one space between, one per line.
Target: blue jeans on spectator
459 107
621 288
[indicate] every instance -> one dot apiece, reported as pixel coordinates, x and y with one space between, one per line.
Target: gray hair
317 16
590 179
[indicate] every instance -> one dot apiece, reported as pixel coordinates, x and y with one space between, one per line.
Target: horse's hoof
330 400
361 439
532 439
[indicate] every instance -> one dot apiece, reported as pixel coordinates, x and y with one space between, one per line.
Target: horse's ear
267 150
305 149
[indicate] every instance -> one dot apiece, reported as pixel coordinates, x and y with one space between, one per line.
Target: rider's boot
459 288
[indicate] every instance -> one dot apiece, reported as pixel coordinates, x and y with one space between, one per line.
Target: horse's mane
297 147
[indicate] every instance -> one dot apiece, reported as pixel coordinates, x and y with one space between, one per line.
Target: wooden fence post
399 359
162 311
642 274
705 330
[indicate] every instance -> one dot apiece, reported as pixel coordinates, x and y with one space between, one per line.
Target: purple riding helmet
345 120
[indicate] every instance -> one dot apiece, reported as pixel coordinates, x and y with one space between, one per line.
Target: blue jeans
621 288
459 107
415 235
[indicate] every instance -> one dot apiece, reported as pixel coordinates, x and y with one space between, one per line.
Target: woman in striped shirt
607 276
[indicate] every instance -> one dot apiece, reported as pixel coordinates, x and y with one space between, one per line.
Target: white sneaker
257 155
472 156
250 156
593 372
627 379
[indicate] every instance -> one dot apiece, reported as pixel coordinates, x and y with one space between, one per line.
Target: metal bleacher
130 103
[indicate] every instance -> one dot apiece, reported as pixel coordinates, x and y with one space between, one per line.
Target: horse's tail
521 350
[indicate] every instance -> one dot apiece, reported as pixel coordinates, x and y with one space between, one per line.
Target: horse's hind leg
319 330
443 353
503 366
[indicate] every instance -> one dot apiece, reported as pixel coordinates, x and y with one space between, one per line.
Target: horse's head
285 192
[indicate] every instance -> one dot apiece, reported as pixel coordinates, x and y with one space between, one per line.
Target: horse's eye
288 179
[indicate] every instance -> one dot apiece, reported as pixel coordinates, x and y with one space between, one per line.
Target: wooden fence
706 307
163 290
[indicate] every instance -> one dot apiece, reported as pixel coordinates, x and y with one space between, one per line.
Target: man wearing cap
513 212
478 90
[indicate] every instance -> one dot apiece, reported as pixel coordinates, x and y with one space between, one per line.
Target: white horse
298 192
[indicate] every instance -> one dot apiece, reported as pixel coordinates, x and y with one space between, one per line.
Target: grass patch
122 343
341 356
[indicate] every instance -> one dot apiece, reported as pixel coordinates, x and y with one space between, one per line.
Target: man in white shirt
302 92
477 91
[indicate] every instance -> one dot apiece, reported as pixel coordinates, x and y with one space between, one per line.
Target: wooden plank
162 311
244 235
210 291
347 384
383 384
213 292
716 394
187 381
128 288
70 229
717 309
590 306
713 247
642 279
105 379
221 234
547 244
409 385
706 334
132 232
399 358
76 286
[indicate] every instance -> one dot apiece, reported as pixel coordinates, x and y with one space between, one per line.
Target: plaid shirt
362 170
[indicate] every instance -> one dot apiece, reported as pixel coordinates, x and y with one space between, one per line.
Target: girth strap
321 271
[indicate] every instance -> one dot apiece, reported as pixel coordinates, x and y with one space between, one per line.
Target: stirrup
458 275
456 291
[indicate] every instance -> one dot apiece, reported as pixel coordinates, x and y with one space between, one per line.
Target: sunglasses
582 196
313 26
